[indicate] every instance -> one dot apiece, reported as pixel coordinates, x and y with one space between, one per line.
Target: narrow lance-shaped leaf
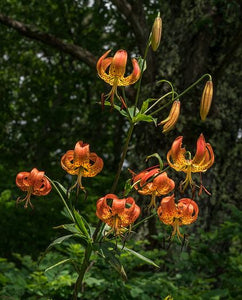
80 223
140 256
57 264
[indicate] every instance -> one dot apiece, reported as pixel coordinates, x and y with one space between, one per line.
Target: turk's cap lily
183 213
161 184
206 99
112 71
117 67
33 182
81 161
203 159
119 214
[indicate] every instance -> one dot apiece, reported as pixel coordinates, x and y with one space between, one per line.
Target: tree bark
48 39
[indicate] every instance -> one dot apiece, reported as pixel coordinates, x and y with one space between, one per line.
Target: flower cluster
154 181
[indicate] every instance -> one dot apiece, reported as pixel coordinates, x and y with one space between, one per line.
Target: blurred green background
49 95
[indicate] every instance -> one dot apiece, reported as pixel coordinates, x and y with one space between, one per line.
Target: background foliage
49 101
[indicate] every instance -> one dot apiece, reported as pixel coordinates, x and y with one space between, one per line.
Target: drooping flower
203 159
153 182
81 162
115 75
171 120
206 100
176 215
119 214
33 182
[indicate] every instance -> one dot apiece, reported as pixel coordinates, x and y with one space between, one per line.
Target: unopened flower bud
206 99
156 33
171 120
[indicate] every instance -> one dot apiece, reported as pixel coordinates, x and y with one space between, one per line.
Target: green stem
84 267
157 101
142 221
62 198
125 149
141 75
184 92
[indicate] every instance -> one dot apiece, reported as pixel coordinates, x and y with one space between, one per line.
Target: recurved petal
93 166
118 65
67 163
148 175
118 206
106 63
201 150
104 211
42 187
22 180
176 156
188 211
102 66
131 212
100 61
133 77
207 161
81 153
167 210
163 184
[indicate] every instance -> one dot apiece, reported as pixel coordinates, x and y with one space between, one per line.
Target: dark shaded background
49 92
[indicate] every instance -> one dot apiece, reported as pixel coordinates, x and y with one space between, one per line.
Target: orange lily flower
160 185
203 159
33 182
176 215
118 215
115 75
81 162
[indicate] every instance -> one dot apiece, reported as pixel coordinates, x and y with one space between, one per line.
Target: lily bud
171 120
206 99
156 33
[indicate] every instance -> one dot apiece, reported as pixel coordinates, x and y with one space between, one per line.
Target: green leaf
140 256
118 108
80 223
141 61
70 227
145 118
145 104
131 111
110 253
62 188
57 264
60 240
128 187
